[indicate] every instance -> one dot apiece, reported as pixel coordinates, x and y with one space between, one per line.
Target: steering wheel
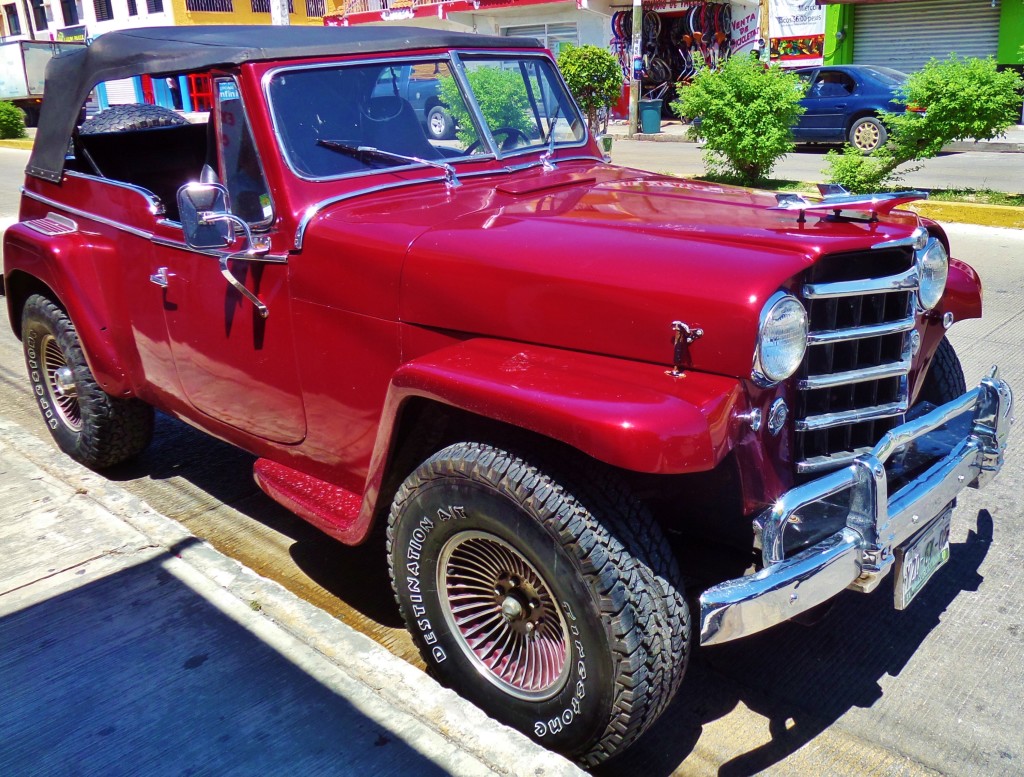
512 136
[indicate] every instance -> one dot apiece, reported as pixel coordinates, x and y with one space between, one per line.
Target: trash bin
650 116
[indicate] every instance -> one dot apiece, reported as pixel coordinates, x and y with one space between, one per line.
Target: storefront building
905 34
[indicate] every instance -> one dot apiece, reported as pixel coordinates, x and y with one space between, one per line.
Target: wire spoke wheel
60 384
504 616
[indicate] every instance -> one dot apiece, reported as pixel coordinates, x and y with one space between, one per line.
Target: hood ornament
836 199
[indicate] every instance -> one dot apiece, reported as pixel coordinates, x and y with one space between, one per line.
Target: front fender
628 414
33 260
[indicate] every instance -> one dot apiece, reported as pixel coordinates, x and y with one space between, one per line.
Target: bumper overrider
970 432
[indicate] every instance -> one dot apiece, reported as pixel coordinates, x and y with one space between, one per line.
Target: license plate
918 560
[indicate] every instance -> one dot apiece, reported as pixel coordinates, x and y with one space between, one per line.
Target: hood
605 259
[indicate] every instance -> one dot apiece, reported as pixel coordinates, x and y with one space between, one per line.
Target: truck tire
440 124
556 608
126 118
945 379
87 423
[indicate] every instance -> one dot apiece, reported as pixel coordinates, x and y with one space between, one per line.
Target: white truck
22 69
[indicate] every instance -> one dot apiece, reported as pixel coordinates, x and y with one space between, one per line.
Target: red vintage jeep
540 379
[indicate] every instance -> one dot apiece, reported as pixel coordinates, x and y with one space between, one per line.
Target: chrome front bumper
861 554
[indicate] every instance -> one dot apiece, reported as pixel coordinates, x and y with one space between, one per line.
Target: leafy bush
594 77
501 95
963 98
12 121
746 112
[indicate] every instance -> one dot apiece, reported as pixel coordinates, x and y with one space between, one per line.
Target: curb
971 213
23 144
402 687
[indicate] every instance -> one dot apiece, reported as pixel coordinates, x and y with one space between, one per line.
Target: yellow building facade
188 12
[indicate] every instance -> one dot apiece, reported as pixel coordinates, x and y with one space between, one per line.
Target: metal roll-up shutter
905 35
121 91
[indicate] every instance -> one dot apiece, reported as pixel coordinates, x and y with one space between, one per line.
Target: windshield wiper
369 152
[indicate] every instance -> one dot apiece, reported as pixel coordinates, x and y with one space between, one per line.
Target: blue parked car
843 103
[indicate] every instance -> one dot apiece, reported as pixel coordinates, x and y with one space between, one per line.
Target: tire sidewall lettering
576 713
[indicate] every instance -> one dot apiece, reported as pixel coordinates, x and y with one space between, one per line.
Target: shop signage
74 34
796 30
745 33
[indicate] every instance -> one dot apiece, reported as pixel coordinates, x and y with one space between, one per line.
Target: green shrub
745 115
501 95
594 77
963 98
12 121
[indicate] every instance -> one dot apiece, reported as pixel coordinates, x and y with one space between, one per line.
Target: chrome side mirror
205 215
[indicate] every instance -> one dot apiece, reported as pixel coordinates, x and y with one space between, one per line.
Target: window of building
13 22
552 36
223 6
103 10
133 8
39 15
155 6
263 6
70 11
315 9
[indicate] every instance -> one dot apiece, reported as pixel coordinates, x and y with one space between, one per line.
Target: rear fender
630 415
37 263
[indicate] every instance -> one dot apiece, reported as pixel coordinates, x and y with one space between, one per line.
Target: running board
330 508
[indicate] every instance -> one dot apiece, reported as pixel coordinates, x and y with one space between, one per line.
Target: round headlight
781 339
932 269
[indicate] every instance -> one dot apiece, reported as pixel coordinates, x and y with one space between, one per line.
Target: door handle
240 288
160 277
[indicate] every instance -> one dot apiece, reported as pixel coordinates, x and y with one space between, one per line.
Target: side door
827 103
234 356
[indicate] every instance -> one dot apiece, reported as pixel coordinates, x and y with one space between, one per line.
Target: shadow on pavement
137 672
217 473
803 679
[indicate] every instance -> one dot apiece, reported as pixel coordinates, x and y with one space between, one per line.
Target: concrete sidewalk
130 646
674 131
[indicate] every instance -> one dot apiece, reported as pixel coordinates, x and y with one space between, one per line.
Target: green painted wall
1011 33
838 18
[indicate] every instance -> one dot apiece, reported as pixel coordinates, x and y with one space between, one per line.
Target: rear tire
558 609
440 124
130 117
87 423
868 134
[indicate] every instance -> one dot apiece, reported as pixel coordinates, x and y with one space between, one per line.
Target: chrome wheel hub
60 384
504 616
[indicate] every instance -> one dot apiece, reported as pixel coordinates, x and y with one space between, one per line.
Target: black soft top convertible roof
165 50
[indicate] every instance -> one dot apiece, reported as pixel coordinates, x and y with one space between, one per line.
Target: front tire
945 379
87 423
556 608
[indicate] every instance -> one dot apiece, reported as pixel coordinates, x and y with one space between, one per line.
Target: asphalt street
933 689
967 170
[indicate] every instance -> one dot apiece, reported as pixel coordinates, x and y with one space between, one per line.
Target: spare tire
132 116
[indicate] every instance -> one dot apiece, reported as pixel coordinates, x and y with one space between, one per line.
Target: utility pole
279 12
637 63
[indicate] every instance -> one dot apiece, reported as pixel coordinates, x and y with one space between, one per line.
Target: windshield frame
492 150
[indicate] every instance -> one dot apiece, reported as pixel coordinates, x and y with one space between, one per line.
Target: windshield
415 112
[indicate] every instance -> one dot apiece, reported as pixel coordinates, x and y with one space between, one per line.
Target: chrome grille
852 386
